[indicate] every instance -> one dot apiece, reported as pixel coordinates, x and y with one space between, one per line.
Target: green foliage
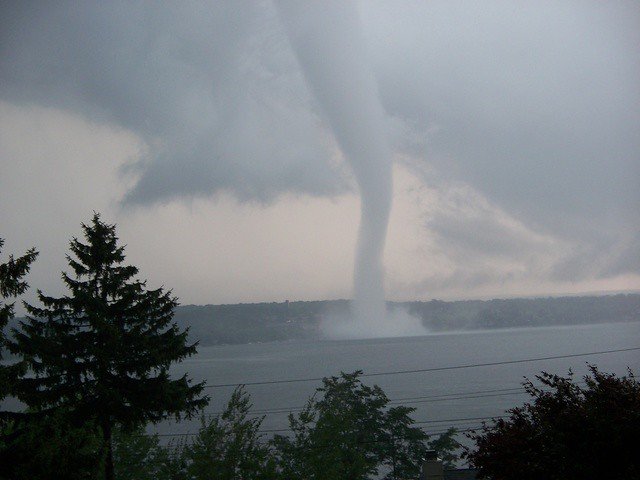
229 446
175 461
102 354
138 456
348 432
567 432
49 448
446 446
12 284
12 273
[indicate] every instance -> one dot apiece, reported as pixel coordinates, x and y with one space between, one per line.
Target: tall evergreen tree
102 353
12 284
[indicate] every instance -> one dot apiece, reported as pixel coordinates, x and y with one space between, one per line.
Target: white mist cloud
395 323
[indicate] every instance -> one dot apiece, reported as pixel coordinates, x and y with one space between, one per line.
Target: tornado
327 40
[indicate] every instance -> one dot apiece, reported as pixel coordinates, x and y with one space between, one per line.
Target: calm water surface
293 360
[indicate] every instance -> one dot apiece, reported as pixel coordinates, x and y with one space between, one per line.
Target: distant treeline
255 322
525 312
269 322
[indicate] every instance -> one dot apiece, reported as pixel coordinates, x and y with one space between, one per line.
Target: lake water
297 360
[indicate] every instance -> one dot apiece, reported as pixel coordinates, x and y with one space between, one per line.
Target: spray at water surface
328 44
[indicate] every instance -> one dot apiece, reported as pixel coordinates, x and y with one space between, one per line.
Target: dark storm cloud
600 259
536 105
479 235
625 258
210 87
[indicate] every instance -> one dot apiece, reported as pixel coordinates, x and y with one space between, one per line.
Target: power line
466 397
421 422
419 399
424 370
456 394
405 400
467 428
443 397
279 430
448 420
400 401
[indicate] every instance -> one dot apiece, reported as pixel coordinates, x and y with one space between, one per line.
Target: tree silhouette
568 431
102 353
12 284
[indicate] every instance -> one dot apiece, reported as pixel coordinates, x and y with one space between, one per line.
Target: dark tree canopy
447 448
102 353
12 284
49 448
12 275
568 431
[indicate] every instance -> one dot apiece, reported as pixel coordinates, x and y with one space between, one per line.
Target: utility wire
416 399
466 397
470 428
466 429
279 430
432 369
396 402
456 394
421 422
496 392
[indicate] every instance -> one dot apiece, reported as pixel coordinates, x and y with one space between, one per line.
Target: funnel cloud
328 44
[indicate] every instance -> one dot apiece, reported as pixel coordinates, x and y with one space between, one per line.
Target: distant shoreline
246 323
300 320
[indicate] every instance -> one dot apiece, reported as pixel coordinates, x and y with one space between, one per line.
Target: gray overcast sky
514 129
